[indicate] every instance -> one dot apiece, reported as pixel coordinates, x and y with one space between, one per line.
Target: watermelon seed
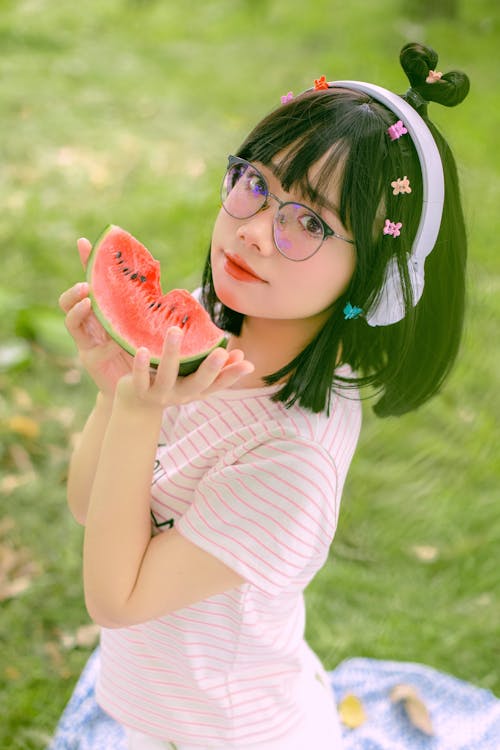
158 306
134 276
143 279
151 305
118 254
184 320
125 270
172 309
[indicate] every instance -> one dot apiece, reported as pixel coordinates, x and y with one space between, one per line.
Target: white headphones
389 306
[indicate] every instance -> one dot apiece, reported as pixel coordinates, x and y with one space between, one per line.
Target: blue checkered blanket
464 717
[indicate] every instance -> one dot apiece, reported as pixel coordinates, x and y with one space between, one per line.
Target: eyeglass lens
298 231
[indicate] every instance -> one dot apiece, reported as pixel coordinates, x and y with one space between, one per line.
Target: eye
311 224
255 183
234 175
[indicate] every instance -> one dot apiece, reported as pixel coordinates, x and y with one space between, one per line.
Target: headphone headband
389 307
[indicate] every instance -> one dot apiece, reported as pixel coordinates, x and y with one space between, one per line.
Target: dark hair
408 361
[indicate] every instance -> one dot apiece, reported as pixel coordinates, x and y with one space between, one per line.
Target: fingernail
219 358
175 335
143 356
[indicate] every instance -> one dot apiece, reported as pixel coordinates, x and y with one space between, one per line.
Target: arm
106 363
130 577
85 457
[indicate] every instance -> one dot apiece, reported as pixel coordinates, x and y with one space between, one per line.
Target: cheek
225 293
322 282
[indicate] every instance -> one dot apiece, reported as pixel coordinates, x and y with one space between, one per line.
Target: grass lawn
124 112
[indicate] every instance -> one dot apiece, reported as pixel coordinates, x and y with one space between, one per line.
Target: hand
105 361
142 388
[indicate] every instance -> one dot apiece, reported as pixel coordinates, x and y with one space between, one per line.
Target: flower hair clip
401 186
392 227
351 312
434 75
287 97
320 83
397 130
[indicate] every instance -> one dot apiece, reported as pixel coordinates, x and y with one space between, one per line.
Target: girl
330 209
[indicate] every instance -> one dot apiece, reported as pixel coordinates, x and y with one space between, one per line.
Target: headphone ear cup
390 307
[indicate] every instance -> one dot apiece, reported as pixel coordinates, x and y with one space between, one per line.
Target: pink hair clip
397 130
287 97
320 83
401 186
433 76
392 227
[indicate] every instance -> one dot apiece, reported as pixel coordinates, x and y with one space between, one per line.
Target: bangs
343 129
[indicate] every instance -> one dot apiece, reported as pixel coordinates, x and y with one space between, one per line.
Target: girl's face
251 277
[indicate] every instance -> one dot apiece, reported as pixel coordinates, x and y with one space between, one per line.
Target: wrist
104 401
136 408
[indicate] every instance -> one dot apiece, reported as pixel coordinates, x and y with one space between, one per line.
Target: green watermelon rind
187 365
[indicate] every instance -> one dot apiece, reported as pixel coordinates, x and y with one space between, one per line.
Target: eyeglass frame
327 230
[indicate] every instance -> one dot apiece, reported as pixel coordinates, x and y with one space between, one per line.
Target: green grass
124 112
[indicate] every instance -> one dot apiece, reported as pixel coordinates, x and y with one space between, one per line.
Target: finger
235 355
70 297
209 370
230 375
84 250
168 369
140 371
75 323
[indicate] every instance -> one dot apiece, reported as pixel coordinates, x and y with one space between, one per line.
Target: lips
239 269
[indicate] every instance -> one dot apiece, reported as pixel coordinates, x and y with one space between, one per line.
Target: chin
228 298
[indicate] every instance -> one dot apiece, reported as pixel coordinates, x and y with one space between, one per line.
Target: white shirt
258 486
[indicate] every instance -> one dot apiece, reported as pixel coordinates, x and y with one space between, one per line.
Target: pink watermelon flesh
126 296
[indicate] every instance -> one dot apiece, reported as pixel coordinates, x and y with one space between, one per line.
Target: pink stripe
289 532
307 479
244 564
288 501
259 542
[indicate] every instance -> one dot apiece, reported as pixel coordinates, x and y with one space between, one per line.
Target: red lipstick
239 270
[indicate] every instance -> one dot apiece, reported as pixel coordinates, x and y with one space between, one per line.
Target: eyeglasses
298 231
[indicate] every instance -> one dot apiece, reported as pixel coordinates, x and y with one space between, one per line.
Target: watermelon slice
126 297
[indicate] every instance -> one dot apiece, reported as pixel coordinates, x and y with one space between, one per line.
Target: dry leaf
415 708
25 426
21 398
11 482
65 416
425 553
12 673
6 525
56 659
21 458
351 711
17 570
72 376
15 587
85 637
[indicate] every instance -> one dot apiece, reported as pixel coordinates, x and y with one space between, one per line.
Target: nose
257 231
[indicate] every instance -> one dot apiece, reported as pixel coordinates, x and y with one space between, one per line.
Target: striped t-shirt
258 486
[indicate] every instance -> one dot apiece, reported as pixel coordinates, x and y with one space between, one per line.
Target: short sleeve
271 516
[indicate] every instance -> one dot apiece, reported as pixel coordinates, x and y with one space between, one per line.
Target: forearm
83 462
118 527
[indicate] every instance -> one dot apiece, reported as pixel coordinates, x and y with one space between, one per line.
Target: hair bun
417 61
